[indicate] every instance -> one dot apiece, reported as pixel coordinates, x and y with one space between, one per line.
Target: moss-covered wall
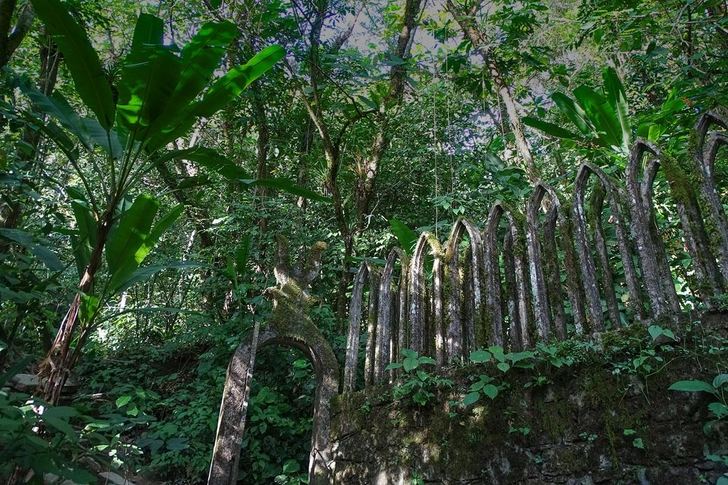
593 423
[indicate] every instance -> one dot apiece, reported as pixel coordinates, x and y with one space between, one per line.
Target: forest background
359 124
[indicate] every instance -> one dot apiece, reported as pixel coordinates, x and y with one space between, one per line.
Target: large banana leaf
159 229
201 56
550 128
106 139
87 229
601 115
212 160
57 107
221 93
81 59
44 255
574 112
133 229
149 30
617 98
148 80
406 237
208 158
199 60
228 87
135 237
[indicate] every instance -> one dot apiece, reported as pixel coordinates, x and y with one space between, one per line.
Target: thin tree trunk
466 20
11 37
369 167
60 359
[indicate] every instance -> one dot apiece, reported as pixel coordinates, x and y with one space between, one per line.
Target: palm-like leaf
88 76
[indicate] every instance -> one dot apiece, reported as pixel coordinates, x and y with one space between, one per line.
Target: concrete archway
289 326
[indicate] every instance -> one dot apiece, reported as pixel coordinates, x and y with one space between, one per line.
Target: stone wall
576 428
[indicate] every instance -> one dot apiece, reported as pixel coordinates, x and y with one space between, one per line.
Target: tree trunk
60 359
477 38
11 37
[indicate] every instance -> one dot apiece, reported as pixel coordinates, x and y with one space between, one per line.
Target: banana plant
161 93
600 119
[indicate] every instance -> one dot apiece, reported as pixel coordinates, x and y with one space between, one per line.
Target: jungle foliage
152 153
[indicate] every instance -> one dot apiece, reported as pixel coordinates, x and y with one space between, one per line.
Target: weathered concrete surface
576 431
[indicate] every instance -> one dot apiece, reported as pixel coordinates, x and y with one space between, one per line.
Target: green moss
611 437
553 417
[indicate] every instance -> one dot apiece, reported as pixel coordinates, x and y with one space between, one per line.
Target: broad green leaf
368 102
503 367
209 159
86 224
159 229
77 475
719 409
477 386
393 365
291 466
123 401
490 390
573 111
133 229
147 244
149 75
720 380
148 80
406 237
410 363
61 412
47 257
214 161
471 398
177 444
44 255
89 308
61 426
57 107
497 352
87 230
601 116
149 30
227 88
61 139
617 98
480 356
409 353
519 356
654 331
427 360
241 256
81 59
106 139
692 386
200 57
549 128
